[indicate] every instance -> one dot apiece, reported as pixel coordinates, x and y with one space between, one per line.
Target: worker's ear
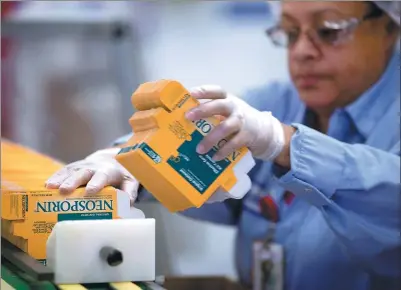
393 34
392 28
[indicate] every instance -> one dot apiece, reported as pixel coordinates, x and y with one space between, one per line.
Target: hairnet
392 8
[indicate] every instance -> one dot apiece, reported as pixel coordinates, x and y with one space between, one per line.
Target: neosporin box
30 210
162 155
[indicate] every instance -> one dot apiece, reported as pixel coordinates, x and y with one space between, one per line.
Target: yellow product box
162 155
29 210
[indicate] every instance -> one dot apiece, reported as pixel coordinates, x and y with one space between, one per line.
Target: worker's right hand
96 171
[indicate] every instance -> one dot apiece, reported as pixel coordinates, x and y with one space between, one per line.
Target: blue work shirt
342 229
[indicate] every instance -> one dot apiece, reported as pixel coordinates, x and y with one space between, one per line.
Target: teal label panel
146 149
85 216
151 153
128 149
198 169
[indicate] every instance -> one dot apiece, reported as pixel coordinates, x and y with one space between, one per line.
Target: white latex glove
260 131
96 171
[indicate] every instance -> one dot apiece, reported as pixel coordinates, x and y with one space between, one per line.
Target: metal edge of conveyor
24 262
153 286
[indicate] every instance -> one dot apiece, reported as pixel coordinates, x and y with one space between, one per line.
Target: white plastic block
102 251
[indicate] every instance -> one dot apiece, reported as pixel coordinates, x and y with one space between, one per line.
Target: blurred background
68 69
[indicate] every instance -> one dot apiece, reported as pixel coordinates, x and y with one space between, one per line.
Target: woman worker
327 144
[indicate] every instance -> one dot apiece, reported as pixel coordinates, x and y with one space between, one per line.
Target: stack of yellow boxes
30 210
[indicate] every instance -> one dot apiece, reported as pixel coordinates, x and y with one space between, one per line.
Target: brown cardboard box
201 283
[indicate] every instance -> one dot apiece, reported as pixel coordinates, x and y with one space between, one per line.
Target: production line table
21 272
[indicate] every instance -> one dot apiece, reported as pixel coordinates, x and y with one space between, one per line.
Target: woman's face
332 75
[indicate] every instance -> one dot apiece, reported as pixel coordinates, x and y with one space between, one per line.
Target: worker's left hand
96 171
243 125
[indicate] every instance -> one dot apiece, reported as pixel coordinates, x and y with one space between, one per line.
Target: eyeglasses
330 32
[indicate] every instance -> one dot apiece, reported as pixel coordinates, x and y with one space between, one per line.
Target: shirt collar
372 104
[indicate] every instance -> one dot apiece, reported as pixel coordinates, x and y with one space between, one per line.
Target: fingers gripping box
162 155
30 210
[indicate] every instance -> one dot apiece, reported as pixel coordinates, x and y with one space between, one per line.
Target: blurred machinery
70 70
6 80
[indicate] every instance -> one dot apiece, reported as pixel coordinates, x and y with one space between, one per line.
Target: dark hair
376 12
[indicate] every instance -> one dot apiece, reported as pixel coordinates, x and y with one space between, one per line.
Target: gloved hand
243 125
96 171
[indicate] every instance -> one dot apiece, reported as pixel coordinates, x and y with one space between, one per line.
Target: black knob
112 256
119 31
